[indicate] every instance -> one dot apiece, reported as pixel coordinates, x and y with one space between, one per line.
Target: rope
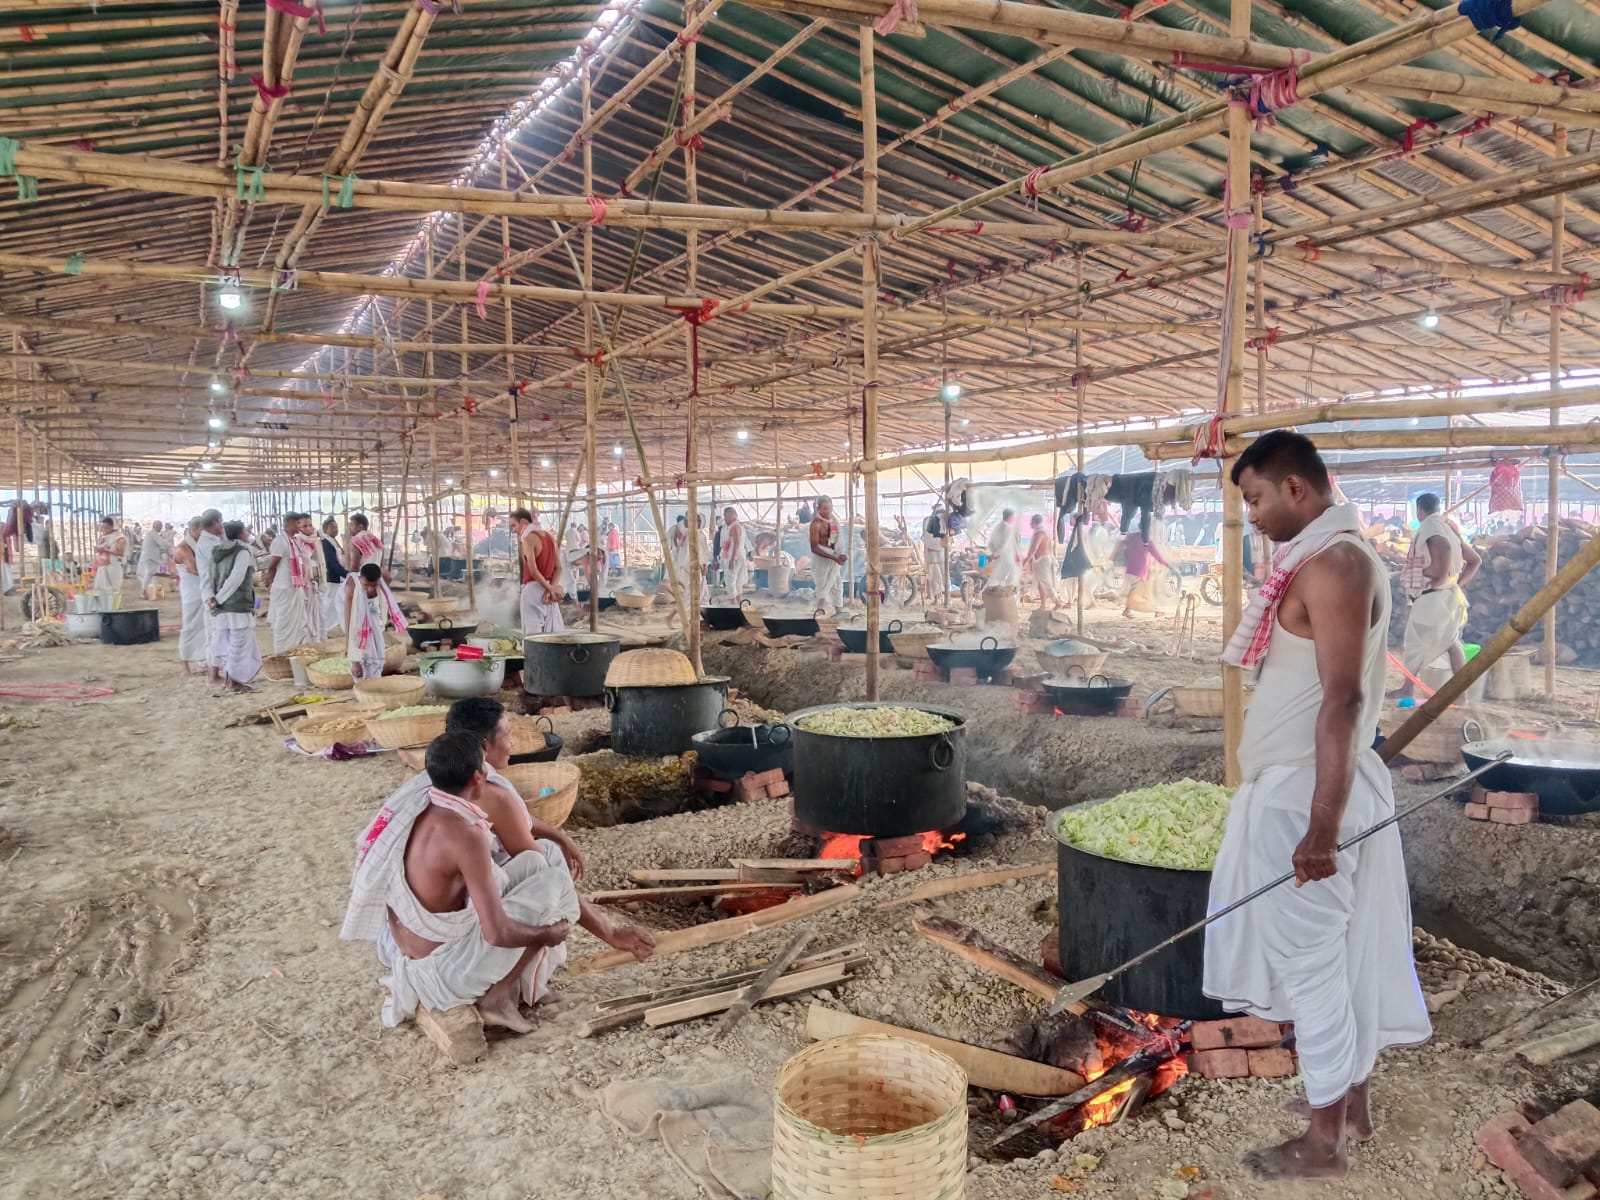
347 191
1273 91
249 183
900 10
1564 295
1030 182
1498 15
1210 440
55 691
1272 338
1408 139
290 8
482 295
269 92
597 211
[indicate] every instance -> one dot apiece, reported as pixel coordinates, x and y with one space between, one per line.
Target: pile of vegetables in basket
332 666
890 721
411 710
1170 825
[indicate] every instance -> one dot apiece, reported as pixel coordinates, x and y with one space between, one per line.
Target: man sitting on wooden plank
452 926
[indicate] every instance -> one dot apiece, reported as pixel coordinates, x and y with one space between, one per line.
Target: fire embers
888 856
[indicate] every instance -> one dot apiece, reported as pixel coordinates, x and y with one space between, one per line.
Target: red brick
916 860
964 676
1477 812
1242 1033
1504 816
763 778
1050 952
712 784
1513 801
1029 683
1131 707
775 790
1033 704
1220 1064
1565 1144
1500 1139
1271 1064
927 673
1004 677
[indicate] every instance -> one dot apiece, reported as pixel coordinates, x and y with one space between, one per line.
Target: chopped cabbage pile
413 710
1169 825
332 666
890 721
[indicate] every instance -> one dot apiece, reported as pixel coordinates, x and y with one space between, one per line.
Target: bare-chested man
451 926
735 566
827 558
1040 562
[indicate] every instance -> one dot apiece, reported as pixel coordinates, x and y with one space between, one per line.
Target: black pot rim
950 714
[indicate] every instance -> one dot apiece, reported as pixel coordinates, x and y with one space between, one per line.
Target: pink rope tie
483 294
1276 90
597 211
290 9
1408 139
900 10
1210 440
1272 337
1564 295
1233 218
269 94
1030 182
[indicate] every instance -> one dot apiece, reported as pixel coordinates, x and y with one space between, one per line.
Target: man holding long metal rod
1332 954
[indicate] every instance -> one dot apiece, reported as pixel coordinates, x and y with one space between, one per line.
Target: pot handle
1099 681
550 725
1156 697
579 655
942 753
745 603
1071 667
895 626
773 738
1477 736
726 724
445 623
819 611
989 643
611 700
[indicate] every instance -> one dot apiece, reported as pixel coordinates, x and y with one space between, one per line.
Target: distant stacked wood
1513 570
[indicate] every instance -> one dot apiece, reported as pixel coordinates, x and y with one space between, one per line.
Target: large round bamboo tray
532 778
638 601
392 691
276 666
869 1117
915 645
442 606
322 679
318 731
650 667
395 733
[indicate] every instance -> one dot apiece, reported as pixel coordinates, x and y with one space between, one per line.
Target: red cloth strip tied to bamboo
1564 295
597 211
900 10
290 9
1030 182
482 295
269 93
1272 337
1276 90
1210 441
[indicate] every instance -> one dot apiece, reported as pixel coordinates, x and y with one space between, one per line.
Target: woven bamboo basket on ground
650 667
276 666
532 778
393 691
869 1118
637 601
1196 701
394 658
442 606
527 736
318 731
315 652
329 681
915 645
1441 741
393 733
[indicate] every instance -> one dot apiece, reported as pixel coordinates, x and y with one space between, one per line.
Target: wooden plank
754 991
716 983
798 864
668 895
457 1032
701 1006
679 940
771 875
964 883
966 942
686 875
984 1068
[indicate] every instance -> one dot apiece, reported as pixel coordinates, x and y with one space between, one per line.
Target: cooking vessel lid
573 639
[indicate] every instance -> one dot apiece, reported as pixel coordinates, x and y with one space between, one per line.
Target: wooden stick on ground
966 942
985 1068
754 992
686 875
679 940
1560 1045
964 883
700 1006
667 895
457 1032
1539 1017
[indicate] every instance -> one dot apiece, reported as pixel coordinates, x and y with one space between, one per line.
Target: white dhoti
316 616
146 571
1433 626
333 607
193 644
735 574
535 892
1045 573
286 613
938 568
538 615
1334 956
108 578
827 574
233 646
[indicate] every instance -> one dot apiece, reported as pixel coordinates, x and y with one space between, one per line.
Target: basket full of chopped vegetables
1132 870
879 769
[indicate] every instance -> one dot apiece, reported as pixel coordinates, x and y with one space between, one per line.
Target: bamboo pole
697 570
591 381
1558 227
509 334
466 452
1082 391
1397 439
869 348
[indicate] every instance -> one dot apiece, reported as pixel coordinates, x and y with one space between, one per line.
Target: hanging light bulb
230 299
544 462
616 451
218 386
951 390
208 466
964 421
743 435
449 483
215 422
1429 320
494 472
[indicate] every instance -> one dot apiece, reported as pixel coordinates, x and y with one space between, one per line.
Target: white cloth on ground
537 615
193 646
827 575
1334 956
1003 570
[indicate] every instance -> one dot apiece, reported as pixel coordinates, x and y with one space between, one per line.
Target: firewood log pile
1513 570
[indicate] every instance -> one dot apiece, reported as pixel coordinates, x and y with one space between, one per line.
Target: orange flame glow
1102 1110
848 845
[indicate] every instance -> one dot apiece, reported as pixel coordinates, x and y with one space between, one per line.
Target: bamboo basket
1441 741
317 732
531 778
441 606
394 658
1196 701
1512 677
896 560
527 737
336 683
651 667
276 666
915 645
869 1117
395 733
393 691
637 601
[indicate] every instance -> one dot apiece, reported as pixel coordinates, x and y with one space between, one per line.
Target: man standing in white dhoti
109 552
452 926
1439 565
365 545
333 577
205 548
1332 954
368 607
286 582
193 648
827 560
1040 559
233 607
152 549
306 543
735 566
1003 570
539 602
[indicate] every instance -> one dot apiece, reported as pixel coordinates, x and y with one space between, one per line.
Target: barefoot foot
1357 1126
1299 1158
502 1013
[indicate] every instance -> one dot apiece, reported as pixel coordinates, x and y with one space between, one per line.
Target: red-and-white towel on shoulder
1248 645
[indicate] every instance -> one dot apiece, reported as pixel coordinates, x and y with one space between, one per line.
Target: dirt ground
179 1019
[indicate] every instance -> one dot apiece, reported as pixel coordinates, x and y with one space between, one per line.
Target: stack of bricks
757 785
927 672
1030 697
964 676
1241 1048
1503 808
1557 1158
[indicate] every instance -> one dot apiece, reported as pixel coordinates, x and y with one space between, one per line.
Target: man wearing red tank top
541 576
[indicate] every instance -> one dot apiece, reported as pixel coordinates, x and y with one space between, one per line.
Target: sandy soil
178 1018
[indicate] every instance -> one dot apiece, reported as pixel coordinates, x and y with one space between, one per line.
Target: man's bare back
439 842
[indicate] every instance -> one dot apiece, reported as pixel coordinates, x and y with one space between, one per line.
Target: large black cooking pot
793 626
440 631
552 746
732 750
1564 773
987 657
1113 910
855 640
658 721
725 616
567 664
130 626
884 786
1095 696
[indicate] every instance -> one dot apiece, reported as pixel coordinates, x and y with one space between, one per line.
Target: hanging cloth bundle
1505 488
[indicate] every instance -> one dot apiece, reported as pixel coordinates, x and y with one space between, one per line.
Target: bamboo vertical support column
1259 270
869 348
466 446
691 454
1552 560
513 401
591 379
1082 388
849 588
1232 364
435 536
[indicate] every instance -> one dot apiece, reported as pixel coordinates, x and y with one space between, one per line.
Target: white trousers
1333 956
735 572
938 575
108 577
826 572
332 607
146 571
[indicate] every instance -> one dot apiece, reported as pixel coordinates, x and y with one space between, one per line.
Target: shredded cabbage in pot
1170 825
